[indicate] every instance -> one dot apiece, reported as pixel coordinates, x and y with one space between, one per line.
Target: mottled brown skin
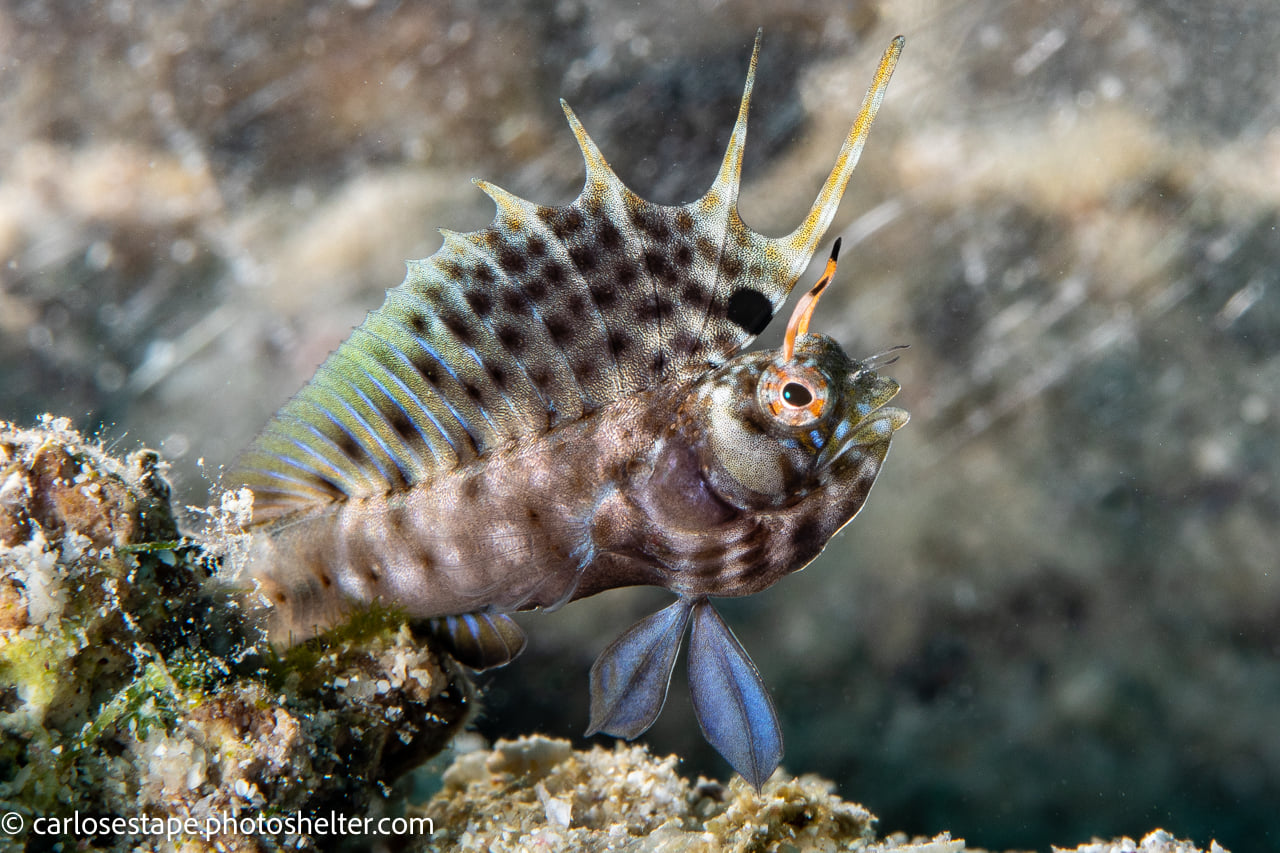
642 491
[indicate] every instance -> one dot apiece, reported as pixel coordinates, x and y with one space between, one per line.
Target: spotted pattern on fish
556 405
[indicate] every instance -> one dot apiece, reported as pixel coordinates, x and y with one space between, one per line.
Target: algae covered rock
134 686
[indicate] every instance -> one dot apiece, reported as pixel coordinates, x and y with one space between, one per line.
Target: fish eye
794 394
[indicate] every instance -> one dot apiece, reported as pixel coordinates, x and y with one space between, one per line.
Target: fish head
798 424
772 431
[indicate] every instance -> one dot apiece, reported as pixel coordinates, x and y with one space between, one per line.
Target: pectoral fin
732 704
630 678
480 640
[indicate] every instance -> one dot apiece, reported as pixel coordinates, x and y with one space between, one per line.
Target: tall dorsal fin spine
724 191
598 170
803 242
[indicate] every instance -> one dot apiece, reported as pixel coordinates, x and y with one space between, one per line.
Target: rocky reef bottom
536 793
141 710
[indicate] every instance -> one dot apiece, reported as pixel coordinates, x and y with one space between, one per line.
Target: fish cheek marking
749 309
807 540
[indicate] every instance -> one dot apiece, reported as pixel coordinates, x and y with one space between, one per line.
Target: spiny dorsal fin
547 314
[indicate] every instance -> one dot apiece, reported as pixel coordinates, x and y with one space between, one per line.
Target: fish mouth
876 427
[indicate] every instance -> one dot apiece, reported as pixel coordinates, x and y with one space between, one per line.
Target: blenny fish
557 405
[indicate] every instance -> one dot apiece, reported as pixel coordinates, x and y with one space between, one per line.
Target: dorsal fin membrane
547 314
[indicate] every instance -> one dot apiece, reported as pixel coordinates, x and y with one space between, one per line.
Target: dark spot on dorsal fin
656 309
584 258
693 295
402 424
515 302
480 302
658 265
536 247
536 289
626 272
560 329
602 295
561 221
426 365
513 260
619 342
458 326
553 272
609 237
750 309
512 338
730 267
349 447
650 222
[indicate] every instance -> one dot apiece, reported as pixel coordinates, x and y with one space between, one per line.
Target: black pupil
795 394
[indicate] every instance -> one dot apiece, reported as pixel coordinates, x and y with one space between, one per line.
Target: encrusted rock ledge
133 686
540 794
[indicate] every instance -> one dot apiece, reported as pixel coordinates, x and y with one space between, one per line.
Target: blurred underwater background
1058 616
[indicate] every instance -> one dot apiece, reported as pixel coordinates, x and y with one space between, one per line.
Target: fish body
557 405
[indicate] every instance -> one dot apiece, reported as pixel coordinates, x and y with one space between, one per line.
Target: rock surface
132 684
